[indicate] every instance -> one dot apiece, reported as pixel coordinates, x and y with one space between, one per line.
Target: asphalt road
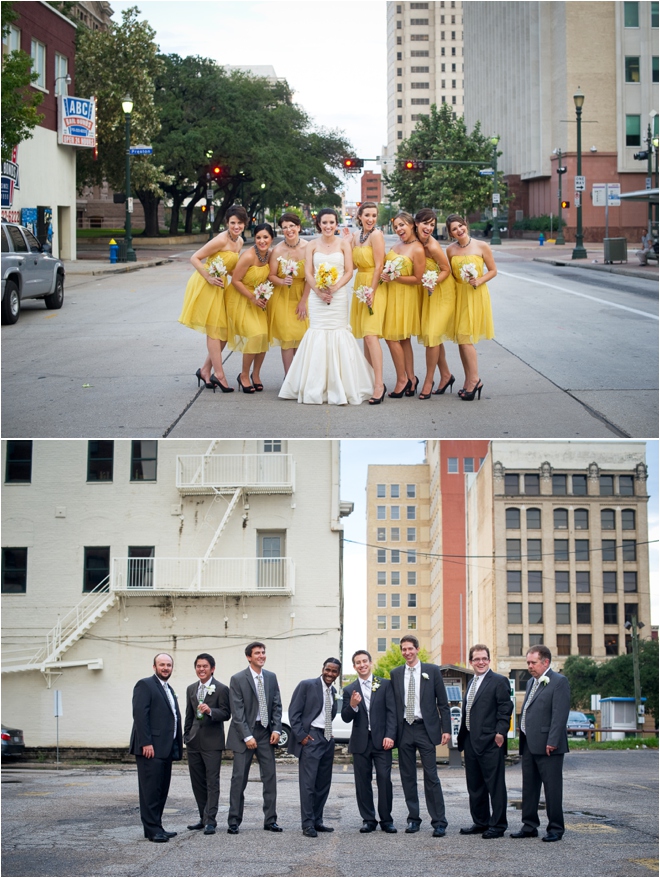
85 822
576 356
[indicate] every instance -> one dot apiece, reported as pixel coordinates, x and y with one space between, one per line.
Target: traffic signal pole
559 239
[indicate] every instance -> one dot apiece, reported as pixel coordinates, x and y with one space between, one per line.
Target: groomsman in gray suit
256 726
543 742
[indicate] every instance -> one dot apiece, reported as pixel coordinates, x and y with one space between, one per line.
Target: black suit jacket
382 715
432 701
245 706
153 721
490 714
306 704
207 733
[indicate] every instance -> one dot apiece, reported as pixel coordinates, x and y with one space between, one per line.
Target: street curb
118 269
612 269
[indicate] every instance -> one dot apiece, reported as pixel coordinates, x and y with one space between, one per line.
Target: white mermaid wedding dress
328 365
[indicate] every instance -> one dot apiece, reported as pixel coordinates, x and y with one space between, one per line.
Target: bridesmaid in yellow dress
287 308
247 324
204 301
403 304
369 257
474 318
437 320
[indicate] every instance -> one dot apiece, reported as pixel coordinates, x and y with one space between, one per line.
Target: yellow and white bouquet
326 276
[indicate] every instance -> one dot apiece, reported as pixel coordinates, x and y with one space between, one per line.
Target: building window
396 601
579 486
632 68
582 550
144 460
607 521
629 581
381 624
611 644
12 40
533 550
559 484
382 577
395 556
395 641
626 486
399 71
382 644
534 580
97 567
100 459
411 513
609 582
61 70
452 464
419 38
610 614
561 581
582 581
398 25
535 639
419 69
381 491
395 623
633 138
608 550
381 556
513 550
627 519
584 644
563 614
419 85
532 483
394 492
425 102
412 556
395 513
399 56
533 519
513 581
381 601
583 614
630 610
511 483
394 534
14 571
514 613
654 13
468 464
631 14
512 518
411 491
412 623
419 53
412 600
560 517
18 464
411 533
563 644
381 513
561 550
515 644
399 41
38 54
654 69
581 519
395 577
419 21
535 613
412 577
381 534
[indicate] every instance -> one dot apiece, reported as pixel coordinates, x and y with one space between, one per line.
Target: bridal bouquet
326 276
392 268
429 280
289 266
216 267
467 272
365 295
264 291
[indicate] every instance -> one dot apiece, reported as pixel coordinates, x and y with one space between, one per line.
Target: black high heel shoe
412 390
198 375
215 382
242 387
449 384
405 390
468 395
257 386
377 401
427 395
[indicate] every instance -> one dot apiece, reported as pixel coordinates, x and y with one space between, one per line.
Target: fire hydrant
114 250
541 240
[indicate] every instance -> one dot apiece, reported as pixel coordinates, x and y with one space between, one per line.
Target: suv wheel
56 299
11 303
284 737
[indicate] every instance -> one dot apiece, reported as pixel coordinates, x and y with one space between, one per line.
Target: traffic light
565 204
352 163
203 208
414 165
217 171
641 156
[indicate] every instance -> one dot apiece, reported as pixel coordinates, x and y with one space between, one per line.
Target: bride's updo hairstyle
426 215
455 218
289 218
264 227
322 212
408 220
239 212
362 207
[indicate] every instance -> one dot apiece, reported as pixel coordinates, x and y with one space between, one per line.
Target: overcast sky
333 55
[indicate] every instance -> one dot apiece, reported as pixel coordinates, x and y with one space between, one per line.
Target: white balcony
194 576
224 473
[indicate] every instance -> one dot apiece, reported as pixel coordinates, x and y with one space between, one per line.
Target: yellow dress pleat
438 309
402 310
362 322
247 324
204 306
284 328
474 317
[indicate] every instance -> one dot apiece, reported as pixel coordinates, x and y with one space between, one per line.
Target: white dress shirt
319 722
170 698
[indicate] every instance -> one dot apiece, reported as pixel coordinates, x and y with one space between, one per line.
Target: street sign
486 172
576 200
580 184
209 193
614 194
598 197
496 197
141 149
130 205
494 211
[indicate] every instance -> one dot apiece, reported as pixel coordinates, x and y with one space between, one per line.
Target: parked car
29 271
577 724
341 730
12 741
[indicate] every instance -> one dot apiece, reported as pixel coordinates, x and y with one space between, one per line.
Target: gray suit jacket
207 733
245 706
547 713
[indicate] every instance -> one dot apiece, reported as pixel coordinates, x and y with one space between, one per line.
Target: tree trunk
177 200
196 197
150 202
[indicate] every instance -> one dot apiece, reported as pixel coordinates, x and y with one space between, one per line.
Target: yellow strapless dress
474 318
284 328
247 324
403 304
437 321
362 322
204 304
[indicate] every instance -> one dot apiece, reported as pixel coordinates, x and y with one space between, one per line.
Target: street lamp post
656 143
578 251
127 107
495 237
649 171
561 170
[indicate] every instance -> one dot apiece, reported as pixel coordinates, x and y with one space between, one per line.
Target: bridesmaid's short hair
456 218
264 227
239 212
408 219
362 207
289 218
322 212
425 215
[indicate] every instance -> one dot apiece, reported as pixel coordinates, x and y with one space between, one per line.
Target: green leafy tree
581 673
448 188
19 102
393 658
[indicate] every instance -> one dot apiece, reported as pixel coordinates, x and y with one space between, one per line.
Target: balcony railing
180 576
259 473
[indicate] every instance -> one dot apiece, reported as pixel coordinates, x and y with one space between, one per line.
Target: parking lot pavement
85 821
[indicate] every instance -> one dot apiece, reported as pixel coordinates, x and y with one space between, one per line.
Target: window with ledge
611 644
381 623
628 519
535 639
412 556
412 577
654 16
513 581
394 492
381 491
563 644
532 484
561 550
396 601
96 567
610 614
584 644
583 614
382 644
609 582
468 464
273 446
11 41
563 611
629 550
559 484
629 581
561 581
630 610
395 556
581 519
608 550
626 486
607 519
579 485
411 513
533 519
381 601
511 483
144 460
395 577
412 600
381 556
514 613
534 550
633 138
515 644
411 492
452 464
381 512
38 55
381 578
512 518
100 460
18 462
630 14
395 623
395 641
513 550
582 550
582 581
141 566
411 534
395 513
395 534
535 613
534 580
412 623
632 68
560 518
381 534
14 570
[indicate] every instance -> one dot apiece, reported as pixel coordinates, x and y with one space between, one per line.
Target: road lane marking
541 283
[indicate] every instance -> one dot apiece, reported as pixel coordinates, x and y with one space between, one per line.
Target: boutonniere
425 675
210 689
544 679
375 685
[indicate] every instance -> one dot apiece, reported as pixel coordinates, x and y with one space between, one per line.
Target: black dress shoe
273 827
321 827
412 826
209 829
310 832
493 833
199 825
439 832
551 836
169 834
159 839
388 827
232 829
524 833
368 827
472 830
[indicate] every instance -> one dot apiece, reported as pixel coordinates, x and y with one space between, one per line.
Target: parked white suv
29 271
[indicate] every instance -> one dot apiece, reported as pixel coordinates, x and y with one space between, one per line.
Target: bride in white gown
328 365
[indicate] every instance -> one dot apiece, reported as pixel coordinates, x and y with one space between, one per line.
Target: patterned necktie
327 731
201 693
532 693
470 698
366 689
263 709
410 702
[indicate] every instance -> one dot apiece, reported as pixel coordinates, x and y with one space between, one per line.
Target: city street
575 355
85 821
